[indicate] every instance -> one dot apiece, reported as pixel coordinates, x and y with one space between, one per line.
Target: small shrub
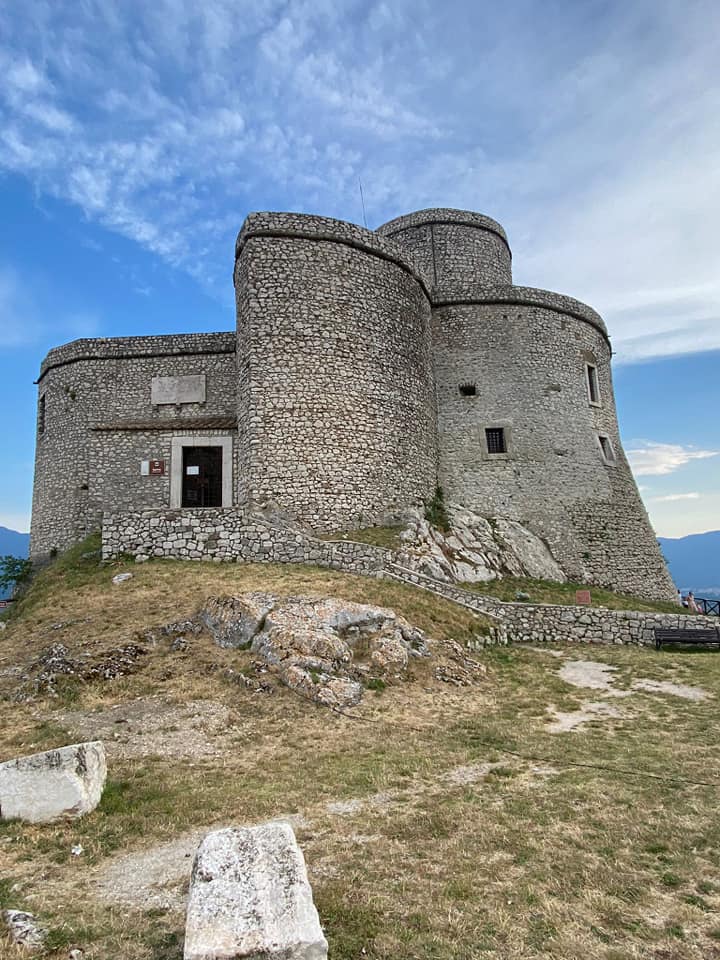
376 684
671 879
436 512
14 572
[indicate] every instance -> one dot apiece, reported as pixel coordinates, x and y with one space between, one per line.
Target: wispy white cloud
648 458
593 138
673 497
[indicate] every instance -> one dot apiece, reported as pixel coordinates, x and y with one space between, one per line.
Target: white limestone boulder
24 929
250 897
323 649
58 783
475 549
233 622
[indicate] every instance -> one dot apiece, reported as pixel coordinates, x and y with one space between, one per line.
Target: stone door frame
176 466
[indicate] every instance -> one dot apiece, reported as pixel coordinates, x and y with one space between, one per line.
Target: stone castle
367 368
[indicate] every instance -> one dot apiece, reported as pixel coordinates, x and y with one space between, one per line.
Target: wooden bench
681 635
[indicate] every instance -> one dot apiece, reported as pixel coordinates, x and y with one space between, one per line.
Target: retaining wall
228 536
546 623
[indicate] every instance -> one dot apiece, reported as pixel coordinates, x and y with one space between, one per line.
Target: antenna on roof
362 201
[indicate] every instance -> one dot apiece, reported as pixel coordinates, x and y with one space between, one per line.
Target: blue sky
135 137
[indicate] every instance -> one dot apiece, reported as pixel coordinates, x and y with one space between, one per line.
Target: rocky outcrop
324 649
250 898
58 783
24 930
55 666
476 550
235 621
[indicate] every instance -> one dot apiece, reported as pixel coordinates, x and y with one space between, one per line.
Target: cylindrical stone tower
459 252
526 413
337 413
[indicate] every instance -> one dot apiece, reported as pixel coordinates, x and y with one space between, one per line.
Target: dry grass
386 537
522 863
547 591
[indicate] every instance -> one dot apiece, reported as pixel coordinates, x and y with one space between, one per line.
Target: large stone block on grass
58 783
250 897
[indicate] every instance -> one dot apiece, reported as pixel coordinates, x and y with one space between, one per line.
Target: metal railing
710 608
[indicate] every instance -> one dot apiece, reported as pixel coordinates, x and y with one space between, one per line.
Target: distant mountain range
12 544
694 562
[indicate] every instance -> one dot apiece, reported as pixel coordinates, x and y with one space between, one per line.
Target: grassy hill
437 821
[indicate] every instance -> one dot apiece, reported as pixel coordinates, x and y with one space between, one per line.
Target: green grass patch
549 591
386 537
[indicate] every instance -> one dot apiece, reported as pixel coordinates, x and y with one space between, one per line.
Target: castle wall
337 414
458 252
338 401
526 353
81 470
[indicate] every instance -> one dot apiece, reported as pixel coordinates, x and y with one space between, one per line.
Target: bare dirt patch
153 727
591 674
674 689
588 712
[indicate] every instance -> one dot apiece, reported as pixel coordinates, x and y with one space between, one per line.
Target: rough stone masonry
366 368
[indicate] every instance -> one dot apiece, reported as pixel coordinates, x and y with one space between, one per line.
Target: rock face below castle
367 367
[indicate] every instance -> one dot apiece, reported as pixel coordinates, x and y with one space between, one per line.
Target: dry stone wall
230 536
226 535
526 623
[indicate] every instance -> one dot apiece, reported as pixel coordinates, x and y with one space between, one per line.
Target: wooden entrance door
202 477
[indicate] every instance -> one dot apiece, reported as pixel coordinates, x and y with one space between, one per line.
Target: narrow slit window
607 449
593 386
41 415
495 439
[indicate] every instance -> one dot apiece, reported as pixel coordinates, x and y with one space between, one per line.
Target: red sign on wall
157 468
582 597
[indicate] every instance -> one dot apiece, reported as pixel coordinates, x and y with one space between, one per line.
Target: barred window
495 439
467 389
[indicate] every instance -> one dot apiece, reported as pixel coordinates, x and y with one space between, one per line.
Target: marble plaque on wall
189 389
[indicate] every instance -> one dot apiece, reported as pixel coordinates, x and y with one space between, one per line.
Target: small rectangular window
467 389
41 414
593 387
495 439
607 449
